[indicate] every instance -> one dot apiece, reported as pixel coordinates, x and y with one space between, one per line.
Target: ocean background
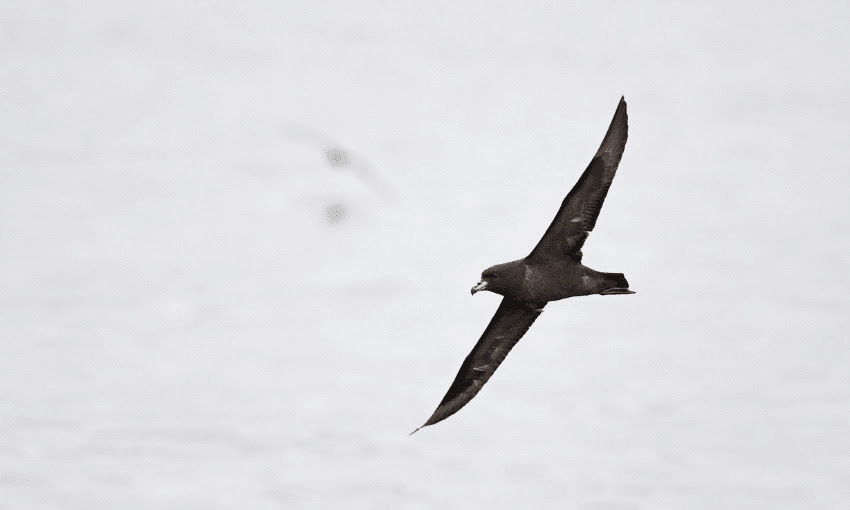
199 311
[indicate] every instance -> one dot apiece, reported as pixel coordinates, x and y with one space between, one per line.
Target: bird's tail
615 283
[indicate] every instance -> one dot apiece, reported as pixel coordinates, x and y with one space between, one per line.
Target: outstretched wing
579 210
507 326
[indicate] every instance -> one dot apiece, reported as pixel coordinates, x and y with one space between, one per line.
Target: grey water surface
199 311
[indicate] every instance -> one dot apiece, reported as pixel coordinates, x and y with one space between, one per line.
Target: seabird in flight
552 271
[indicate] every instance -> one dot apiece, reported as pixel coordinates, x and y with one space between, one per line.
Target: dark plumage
552 271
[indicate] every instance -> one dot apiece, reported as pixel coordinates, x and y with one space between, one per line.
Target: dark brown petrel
552 271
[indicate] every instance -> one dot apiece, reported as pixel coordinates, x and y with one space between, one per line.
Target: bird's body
551 272
553 281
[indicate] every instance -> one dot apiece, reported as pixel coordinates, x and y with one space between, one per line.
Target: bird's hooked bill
479 286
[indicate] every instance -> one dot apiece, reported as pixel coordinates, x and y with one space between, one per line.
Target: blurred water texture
181 326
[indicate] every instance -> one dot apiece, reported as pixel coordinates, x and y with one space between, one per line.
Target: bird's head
495 279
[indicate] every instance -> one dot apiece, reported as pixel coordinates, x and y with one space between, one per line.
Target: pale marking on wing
529 279
481 368
575 220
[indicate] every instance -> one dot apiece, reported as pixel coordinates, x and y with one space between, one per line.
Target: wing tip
622 105
614 142
432 420
621 113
